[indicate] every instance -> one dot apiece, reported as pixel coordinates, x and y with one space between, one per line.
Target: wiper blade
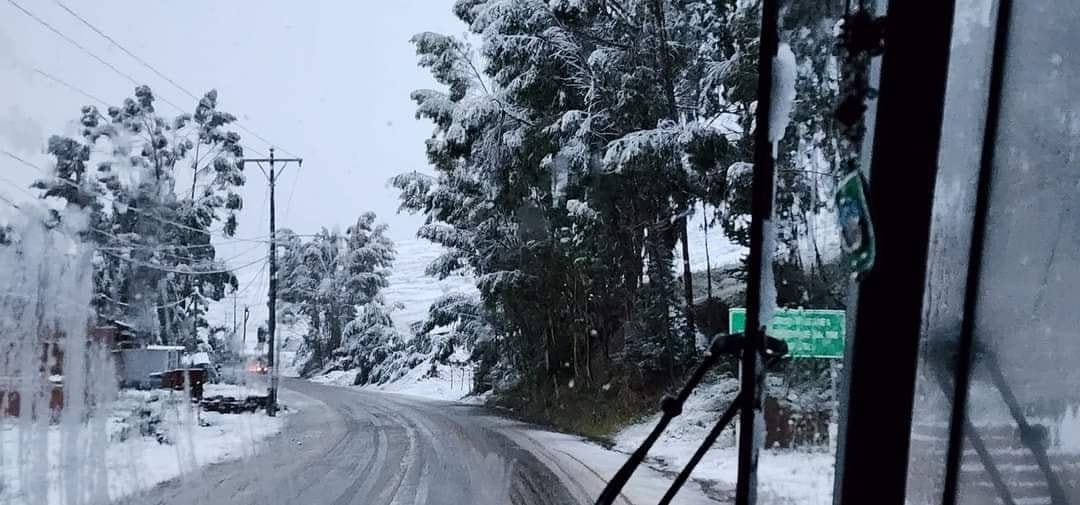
976 440
1028 436
672 408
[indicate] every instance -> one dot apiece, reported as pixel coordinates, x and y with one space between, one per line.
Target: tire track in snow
356 447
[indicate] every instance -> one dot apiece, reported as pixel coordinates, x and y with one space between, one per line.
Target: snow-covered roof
164 348
197 358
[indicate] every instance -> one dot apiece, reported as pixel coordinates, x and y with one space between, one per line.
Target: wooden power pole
271 404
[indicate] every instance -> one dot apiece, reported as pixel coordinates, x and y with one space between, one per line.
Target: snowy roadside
150 437
803 476
436 381
785 476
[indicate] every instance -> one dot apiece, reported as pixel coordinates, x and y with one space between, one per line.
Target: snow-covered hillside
427 380
722 251
823 232
414 290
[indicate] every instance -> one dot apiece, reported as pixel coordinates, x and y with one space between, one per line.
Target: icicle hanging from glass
53 376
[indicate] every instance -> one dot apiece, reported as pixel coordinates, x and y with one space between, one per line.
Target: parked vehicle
258 366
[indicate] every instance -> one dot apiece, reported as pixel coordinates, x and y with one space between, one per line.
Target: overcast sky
326 81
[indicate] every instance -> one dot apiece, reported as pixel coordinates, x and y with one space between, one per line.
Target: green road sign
809 333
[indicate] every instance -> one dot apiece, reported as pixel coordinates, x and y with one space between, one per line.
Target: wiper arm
1028 437
976 440
672 408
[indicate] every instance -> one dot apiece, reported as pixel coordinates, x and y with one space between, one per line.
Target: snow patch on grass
784 476
647 485
154 436
700 412
434 380
722 251
437 381
233 390
336 378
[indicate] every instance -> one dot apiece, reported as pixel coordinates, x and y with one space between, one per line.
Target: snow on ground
233 390
336 378
133 461
784 476
722 252
292 337
647 485
449 382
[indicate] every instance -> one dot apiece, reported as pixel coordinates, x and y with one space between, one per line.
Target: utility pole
237 350
271 404
195 319
243 336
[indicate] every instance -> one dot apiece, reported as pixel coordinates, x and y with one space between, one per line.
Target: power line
112 67
70 86
164 268
260 137
162 220
9 202
29 214
155 307
258 276
133 209
72 41
164 249
156 71
103 103
125 50
90 53
288 204
18 187
263 260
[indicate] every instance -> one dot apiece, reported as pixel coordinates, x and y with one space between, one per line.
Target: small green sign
856 229
809 333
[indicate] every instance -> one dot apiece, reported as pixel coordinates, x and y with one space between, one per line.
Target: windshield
478 251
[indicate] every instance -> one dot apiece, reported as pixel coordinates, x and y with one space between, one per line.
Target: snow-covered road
355 447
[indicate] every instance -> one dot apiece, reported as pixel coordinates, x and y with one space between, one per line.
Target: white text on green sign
809 333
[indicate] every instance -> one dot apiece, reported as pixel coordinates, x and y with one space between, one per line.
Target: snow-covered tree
155 264
571 147
335 280
571 114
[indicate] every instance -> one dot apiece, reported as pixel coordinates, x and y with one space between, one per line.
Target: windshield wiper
671 407
1030 437
976 440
